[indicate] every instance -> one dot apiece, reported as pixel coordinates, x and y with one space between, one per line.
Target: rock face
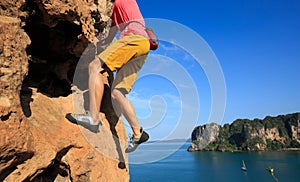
272 133
41 42
203 135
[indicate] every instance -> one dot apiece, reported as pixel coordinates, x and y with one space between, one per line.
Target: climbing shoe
135 142
84 120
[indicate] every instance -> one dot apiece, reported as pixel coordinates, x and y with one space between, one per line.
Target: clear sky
257 44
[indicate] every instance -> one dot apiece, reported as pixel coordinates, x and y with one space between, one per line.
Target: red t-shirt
125 11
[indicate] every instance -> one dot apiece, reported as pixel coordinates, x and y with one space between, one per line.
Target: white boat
244 168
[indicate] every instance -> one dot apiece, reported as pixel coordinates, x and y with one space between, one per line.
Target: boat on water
271 170
244 168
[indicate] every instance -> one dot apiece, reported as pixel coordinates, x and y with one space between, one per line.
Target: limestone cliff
203 135
272 133
41 42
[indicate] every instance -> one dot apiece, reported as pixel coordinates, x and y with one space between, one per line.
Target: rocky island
271 133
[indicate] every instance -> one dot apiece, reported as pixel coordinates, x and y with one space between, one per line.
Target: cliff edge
41 42
271 133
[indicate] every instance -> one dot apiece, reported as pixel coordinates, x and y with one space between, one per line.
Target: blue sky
257 44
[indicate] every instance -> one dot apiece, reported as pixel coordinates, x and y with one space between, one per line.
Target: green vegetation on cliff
271 133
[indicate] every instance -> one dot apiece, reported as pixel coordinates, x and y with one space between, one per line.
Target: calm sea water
217 166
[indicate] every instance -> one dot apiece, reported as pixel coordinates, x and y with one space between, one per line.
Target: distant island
271 133
179 140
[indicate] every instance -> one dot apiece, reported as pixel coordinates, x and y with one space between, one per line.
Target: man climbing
126 56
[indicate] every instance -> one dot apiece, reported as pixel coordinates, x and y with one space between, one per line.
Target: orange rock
37 142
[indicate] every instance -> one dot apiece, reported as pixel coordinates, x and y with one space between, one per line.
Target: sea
184 166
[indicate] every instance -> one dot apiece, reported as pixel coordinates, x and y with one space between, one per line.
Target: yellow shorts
126 55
